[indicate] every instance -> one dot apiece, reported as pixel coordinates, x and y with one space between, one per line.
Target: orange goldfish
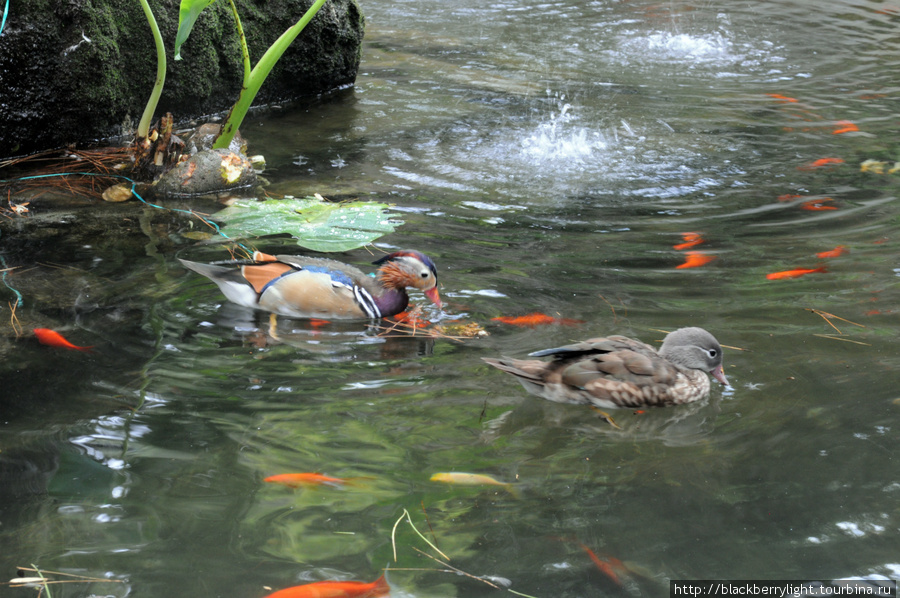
607 567
820 163
836 252
796 273
536 319
295 480
695 259
336 589
690 240
782 98
52 338
817 205
845 127
411 319
788 197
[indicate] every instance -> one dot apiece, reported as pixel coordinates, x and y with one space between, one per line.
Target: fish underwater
296 480
536 319
472 479
836 252
844 126
336 589
52 338
821 162
695 259
795 273
817 205
608 568
690 240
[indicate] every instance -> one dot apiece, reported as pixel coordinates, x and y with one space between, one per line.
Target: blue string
134 192
5 12
19 299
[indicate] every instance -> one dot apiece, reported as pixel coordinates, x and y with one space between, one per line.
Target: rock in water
206 173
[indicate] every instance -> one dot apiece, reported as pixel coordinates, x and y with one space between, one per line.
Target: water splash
718 47
560 139
682 46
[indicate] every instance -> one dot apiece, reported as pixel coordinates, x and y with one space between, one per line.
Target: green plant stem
245 52
144 126
41 575
258 75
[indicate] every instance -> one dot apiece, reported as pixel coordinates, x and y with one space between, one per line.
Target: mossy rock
75 71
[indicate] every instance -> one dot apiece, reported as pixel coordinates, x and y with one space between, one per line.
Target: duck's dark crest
407 253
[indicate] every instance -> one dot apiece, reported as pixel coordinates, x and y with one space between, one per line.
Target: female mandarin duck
621 372
308 287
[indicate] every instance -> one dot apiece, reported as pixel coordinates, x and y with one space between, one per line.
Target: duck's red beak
433 295
719 374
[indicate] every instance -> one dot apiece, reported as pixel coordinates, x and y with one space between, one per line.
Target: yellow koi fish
472 479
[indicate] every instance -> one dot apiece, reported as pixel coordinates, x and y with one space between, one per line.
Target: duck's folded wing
622 366
609 344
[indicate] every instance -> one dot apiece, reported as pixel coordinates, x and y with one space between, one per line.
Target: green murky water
548 156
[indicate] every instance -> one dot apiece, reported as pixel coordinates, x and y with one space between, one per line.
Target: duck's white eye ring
424 274
712 352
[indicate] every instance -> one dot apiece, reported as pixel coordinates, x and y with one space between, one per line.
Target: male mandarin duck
308 287
617 371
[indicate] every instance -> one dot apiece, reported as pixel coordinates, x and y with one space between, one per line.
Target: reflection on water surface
550 157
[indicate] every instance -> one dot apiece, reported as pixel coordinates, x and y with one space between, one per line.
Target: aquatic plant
143 129
314 223
253 78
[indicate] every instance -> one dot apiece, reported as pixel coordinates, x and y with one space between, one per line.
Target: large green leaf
316 224
187 16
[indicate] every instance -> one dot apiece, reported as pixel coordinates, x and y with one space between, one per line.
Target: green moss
62 89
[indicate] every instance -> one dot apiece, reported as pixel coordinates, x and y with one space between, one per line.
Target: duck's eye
424 274
712 353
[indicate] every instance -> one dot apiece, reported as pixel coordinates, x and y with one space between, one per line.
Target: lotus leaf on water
317 224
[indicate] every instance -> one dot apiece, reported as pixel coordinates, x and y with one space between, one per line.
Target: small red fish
695 259
52 338
817 205
836 252
845 127
820 163
295 480
336 589
607 567
536 319
690 240
782 98
411 319
788 197
796 273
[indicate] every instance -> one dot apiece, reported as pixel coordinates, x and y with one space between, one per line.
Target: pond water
549 157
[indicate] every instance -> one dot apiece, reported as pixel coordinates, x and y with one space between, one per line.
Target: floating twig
840 338
41 580
827 317
14 319
405 330
431 529
458 571
615 318
455 570
424 539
